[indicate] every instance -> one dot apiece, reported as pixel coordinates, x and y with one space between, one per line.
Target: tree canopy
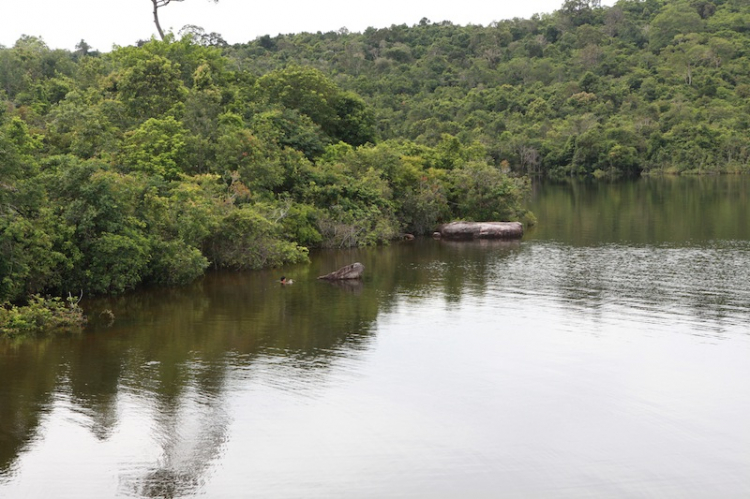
150 164
644 86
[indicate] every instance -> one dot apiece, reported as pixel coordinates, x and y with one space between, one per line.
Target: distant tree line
645 86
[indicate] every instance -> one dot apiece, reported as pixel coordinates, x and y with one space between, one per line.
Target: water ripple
703 289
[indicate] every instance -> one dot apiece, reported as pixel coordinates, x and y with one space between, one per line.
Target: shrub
40 315
245 239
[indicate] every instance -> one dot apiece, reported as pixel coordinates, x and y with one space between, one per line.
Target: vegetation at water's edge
151 163
41 315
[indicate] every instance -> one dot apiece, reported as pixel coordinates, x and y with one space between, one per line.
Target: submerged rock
353 271
481 230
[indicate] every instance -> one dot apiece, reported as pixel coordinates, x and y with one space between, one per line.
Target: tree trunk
156 19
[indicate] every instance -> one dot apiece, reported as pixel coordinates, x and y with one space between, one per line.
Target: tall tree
158 4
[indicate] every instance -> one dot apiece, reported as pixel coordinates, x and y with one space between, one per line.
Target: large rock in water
481 230
353 271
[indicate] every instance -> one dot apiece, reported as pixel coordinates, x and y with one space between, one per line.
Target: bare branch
163 3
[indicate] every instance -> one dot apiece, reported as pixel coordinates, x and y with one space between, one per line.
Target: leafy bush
41 314
150 163
245 239
175 263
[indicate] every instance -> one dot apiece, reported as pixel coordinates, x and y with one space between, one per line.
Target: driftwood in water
353 271
481 230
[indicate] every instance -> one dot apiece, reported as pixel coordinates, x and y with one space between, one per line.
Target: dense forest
643 86
150 163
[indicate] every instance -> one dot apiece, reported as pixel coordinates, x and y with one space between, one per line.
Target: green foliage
149 86
245 239
289 128
527 89
424 204
675 19
342 116
257 161
306 90
149 164
41 314
356 122
482 193
300 223
174 262
31 260
78 125
118 261
156 147
188 210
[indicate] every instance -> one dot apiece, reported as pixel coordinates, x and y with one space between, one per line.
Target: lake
607 354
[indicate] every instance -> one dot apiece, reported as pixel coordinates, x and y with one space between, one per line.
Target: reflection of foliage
648 211
26 390
177 342
181 348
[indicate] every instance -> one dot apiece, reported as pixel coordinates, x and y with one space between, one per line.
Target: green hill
643 86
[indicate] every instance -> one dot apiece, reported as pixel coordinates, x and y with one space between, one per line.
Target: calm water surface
605 355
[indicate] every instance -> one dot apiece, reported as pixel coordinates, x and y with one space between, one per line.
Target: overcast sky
103 23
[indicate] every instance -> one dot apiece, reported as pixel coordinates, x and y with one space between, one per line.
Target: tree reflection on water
172 357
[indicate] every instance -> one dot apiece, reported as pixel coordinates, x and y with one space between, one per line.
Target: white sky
103 23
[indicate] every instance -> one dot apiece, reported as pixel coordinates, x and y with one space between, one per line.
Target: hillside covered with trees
153 162
643 86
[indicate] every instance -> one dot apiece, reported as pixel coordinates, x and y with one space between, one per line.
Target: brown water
605 355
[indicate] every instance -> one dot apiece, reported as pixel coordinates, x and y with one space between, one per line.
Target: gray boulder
481 230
